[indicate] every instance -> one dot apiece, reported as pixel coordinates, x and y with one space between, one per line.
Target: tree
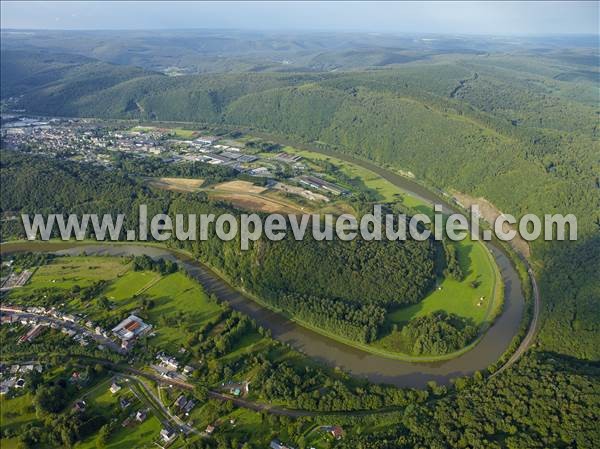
50 399
103 435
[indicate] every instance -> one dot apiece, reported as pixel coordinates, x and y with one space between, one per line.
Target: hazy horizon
466 18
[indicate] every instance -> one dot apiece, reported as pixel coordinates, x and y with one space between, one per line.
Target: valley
204 343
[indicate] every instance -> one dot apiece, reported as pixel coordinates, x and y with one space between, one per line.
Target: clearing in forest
177 184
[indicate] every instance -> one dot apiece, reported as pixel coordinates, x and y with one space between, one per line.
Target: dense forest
545 401
356 322
438 333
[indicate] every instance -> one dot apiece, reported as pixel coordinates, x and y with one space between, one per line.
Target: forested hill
342 287
66 76
508 128
519 130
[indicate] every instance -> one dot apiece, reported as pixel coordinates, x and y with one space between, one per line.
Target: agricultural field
176 184
250 202
239 187
250 197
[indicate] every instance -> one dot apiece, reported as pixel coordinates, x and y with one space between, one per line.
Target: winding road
531 331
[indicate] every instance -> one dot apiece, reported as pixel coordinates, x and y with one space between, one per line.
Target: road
531 332
65 324
240 402
156 403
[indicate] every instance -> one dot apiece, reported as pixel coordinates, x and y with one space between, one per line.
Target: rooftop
130 327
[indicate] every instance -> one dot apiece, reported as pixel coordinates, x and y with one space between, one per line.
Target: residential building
168 435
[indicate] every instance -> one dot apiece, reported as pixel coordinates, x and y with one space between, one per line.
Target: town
98 142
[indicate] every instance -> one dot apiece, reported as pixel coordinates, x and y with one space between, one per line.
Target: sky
468 17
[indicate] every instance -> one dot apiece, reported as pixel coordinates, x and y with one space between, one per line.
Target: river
330 352
321 348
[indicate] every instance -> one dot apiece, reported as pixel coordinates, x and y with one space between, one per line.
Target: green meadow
182 299
178 303
65 272
460 297
16 412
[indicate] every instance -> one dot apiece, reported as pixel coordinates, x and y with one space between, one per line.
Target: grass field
140 436
16 412
457 297
183 299
176 184
248 424
9 443
66 272
129 284
478 303
183 133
